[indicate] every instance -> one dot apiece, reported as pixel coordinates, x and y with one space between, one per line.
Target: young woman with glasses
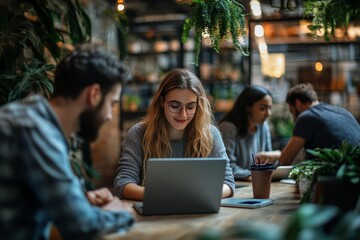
178 123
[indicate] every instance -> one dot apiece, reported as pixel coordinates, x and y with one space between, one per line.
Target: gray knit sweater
130 163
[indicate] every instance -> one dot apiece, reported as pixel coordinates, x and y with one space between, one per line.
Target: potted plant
219 19
133 102
303 175
339 167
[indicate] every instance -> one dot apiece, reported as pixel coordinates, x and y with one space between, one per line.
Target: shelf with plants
226 65
295 30
155 47
327 63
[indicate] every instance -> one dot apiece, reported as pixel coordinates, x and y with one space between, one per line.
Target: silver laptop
182 186
281 172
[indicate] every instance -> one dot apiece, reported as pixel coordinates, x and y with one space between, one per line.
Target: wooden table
188 226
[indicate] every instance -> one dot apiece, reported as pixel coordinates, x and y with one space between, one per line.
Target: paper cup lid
262 167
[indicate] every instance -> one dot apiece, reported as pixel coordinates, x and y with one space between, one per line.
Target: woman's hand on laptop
99 197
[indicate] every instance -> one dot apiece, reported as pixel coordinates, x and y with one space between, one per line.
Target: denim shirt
241 149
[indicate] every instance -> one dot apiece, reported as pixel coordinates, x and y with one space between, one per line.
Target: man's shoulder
25 113
328 109
327 106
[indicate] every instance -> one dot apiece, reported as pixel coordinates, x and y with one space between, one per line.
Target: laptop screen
183 185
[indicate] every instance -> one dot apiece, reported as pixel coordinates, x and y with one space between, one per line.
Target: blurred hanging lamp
120 5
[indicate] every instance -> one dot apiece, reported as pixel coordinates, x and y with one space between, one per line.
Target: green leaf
330 14
309 216
221 19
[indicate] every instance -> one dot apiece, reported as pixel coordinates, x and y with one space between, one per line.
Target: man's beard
90 123
297 113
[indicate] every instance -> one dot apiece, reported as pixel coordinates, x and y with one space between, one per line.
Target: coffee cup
261 179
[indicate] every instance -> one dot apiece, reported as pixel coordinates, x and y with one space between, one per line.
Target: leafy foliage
330 14
32 36
342 162
221 19
32 78
309 222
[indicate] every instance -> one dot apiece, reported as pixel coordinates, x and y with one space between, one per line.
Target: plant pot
331 191
304 184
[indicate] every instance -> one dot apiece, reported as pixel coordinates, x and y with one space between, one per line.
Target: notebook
246 202
182 186
281 172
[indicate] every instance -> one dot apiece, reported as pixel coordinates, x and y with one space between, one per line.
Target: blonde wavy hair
156 142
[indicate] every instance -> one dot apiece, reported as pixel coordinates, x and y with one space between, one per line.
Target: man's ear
94 94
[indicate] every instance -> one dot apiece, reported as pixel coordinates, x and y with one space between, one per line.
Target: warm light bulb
318 66
120 7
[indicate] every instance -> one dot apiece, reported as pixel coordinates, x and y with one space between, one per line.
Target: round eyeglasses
177 107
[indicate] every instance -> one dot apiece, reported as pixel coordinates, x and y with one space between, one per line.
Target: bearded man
37 185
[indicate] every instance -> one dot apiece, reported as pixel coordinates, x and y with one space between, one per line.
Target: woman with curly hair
179 123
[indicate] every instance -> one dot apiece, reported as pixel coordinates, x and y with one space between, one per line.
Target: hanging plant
220 19
330 14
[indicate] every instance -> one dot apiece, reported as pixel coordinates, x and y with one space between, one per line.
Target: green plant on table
342 163
330 14
220 19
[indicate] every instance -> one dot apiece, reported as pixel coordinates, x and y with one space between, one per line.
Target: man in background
37 185
317 125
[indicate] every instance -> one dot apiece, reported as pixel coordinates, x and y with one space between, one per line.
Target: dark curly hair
304 92
86 65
